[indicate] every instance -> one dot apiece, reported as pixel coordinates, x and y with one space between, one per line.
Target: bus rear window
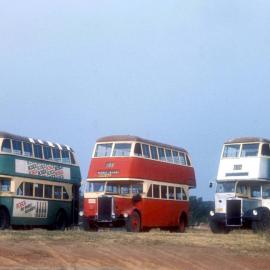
250 150
103 150
122 149
231 150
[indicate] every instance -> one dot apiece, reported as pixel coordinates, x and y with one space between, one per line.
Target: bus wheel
217 227
4 219
61 221
182 224
133 223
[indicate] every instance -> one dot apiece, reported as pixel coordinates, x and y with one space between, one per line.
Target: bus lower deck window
178 193
156 191
65 194
38 190
150 192
48 191
171 193
4 185
28 189
57 192
164 192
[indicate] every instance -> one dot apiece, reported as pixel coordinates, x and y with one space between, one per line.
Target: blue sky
189 73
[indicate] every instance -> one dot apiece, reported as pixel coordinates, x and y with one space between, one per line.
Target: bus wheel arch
4 218
61 220
134 221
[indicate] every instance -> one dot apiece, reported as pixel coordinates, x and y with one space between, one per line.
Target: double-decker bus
138 183
39 183
242 197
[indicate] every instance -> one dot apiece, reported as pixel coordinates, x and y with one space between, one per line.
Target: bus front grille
105 209
233 217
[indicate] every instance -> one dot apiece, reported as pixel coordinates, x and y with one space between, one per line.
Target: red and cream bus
139 184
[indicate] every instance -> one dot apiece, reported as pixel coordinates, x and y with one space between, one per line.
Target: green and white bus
39 183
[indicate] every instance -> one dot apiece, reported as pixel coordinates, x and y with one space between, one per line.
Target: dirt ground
115 250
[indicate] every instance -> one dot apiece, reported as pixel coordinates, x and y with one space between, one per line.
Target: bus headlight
212 213
81 213
255 212
125 215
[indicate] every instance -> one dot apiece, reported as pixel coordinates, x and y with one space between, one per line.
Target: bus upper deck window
47 152
188 160
182 158
6 146
266 149
176 159
169 155
161 154
17 147
56 155
65 156
103 150
27 149
153 152
122 149
4 185
38 151
73 161
250 150
138 150
146 151
231 150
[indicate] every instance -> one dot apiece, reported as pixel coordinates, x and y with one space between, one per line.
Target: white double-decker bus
242 197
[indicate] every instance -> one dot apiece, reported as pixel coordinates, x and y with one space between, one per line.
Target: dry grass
239 241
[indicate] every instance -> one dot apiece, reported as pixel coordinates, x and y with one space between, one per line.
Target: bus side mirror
136 198
211 184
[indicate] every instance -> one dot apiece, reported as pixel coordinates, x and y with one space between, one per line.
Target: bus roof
7 135
123 138
247 140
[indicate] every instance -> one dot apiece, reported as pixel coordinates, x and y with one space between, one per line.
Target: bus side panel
53 208
162 213
140 168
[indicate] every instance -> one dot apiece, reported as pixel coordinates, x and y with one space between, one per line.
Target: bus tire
263 224
133 223
4 219
217 227
61 221
182 224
